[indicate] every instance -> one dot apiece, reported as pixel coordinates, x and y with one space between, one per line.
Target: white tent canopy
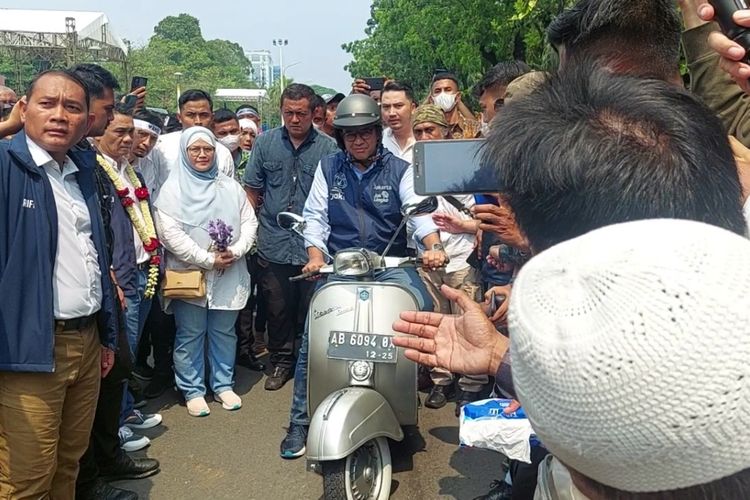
241 94
89 25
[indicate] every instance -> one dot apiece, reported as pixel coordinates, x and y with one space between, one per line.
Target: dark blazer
28 246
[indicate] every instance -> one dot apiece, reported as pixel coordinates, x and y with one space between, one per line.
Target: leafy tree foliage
410 39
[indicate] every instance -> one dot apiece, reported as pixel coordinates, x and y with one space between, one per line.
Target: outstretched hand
467 343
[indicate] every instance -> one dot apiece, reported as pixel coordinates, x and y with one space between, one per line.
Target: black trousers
524 476
158 333
245 326
286 306
104 444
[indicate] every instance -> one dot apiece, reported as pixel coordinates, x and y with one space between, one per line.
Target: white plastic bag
485 425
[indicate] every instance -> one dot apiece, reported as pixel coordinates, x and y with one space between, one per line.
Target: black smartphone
375 83
129 102
138 82
452 167
724 10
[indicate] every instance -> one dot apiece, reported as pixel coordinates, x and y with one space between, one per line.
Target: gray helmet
357 111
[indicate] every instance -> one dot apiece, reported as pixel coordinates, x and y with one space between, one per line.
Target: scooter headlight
360 370
352 263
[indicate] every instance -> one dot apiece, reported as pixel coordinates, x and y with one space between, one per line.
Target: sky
315 29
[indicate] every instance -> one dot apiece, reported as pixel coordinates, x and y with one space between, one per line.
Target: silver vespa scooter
361 389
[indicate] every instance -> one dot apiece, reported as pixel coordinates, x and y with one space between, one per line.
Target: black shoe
439 396
278 378
463 398
143 372
499 490
126 467
101 490
250 362
157 386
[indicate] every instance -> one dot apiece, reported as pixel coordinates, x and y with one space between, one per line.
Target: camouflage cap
524 85
429 113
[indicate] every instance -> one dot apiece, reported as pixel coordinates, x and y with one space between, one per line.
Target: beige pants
465 280
46 419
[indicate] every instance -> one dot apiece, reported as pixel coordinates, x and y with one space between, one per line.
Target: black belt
75 323
144 266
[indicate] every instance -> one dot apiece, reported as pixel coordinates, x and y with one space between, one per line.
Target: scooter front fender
346 420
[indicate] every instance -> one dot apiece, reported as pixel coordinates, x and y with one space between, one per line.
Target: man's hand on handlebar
313 265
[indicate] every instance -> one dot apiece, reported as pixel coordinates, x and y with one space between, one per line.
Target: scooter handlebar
304 276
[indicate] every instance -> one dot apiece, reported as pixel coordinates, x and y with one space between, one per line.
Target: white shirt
145 167
391 144
227 290
458 247
141 256
166 156
76 277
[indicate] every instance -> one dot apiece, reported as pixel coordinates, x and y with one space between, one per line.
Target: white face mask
232 142
484 128
445 101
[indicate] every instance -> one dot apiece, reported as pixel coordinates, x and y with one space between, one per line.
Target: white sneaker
139 421
130 441
229 400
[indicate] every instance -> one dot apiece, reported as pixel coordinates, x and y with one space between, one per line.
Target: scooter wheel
363 475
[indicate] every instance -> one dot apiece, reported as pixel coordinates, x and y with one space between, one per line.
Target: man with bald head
58 315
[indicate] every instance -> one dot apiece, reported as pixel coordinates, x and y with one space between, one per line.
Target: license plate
352 346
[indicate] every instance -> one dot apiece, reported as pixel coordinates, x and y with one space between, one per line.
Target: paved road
234 455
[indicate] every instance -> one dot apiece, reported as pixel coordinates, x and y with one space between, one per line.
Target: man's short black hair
65 73
444 74
96 78
224 115
640 37
172 124
121 109
149 117
590 148
319 102
299 91
194 95
395 86
500 75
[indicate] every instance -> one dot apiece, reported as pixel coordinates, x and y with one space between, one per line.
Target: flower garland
145 228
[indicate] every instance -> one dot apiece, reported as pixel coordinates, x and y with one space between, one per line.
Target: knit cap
429 113
631 353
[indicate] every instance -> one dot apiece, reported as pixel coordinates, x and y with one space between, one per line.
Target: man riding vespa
355 201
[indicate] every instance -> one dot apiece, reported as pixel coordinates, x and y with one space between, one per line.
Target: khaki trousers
465 280
46 419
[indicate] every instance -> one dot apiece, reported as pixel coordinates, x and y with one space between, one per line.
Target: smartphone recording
452 167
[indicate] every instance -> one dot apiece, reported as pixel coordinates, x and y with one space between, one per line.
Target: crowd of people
599 284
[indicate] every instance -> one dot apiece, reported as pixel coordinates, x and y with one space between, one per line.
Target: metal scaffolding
55 47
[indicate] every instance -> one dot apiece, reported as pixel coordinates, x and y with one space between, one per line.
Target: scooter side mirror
290 222
424 207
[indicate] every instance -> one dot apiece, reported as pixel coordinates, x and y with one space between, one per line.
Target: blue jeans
137 307
407 277
194 325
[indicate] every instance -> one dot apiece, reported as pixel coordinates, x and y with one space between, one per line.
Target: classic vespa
361 389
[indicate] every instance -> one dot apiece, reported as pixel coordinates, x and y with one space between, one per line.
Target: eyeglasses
353 135
198 150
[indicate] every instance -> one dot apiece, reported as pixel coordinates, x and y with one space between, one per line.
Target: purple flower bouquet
220 234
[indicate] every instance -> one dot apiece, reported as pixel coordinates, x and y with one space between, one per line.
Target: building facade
263 73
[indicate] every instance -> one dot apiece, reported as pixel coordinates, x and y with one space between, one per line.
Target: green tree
178 46
410 39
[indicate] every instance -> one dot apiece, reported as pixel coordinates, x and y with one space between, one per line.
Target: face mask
232 142
484 128
445 101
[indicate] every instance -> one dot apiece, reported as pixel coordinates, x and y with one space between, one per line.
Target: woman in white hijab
194 195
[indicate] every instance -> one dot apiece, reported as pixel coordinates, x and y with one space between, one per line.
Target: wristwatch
438 247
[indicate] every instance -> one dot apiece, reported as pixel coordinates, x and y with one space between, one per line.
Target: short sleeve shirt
284 175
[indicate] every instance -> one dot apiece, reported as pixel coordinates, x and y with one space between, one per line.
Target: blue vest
365 213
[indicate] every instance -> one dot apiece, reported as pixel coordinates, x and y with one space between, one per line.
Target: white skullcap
631 353
246 123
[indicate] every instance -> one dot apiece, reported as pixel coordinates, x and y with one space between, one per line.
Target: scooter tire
337 480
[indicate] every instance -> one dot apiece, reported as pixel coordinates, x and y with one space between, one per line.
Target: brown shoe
278 378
